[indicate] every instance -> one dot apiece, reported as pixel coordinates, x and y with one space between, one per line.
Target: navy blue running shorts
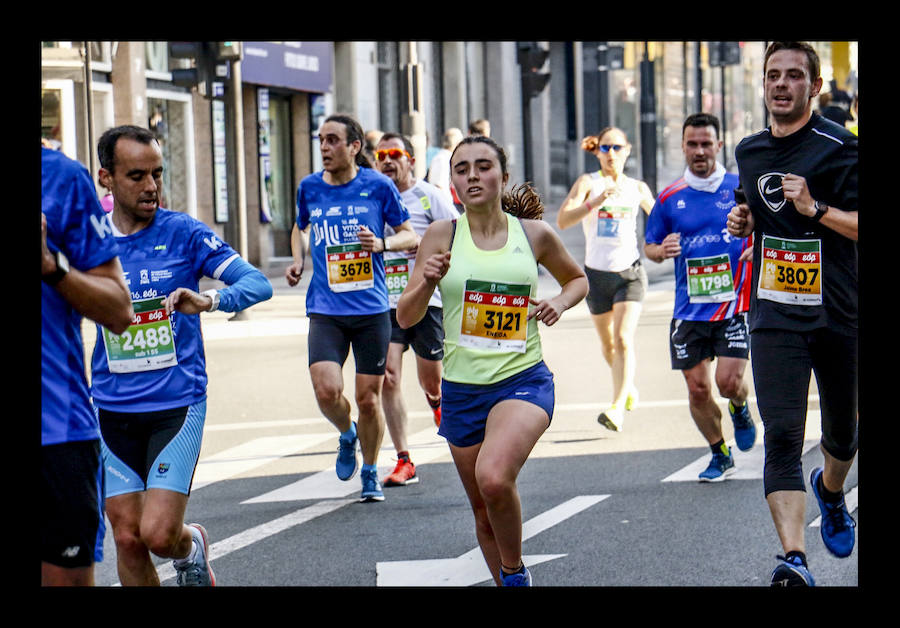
465 407
330 339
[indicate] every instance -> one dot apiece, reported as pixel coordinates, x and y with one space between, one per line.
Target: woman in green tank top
493 363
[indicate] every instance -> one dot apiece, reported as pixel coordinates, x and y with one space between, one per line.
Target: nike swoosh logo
769 190
433 351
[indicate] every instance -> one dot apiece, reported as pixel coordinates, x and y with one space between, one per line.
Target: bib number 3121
495 316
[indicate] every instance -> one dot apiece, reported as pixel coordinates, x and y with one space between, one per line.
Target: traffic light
723 53
203 71
531 57
228 50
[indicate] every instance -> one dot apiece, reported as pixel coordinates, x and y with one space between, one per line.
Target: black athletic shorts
71 498
425 337
606 288
691 342
330 339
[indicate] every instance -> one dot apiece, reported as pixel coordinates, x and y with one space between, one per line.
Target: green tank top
485 296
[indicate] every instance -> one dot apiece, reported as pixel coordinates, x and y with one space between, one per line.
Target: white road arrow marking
470 569
749 464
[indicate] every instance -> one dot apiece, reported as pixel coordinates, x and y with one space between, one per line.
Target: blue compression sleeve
246 286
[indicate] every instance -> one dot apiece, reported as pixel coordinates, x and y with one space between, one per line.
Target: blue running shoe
791 572
371 488
720 467
837 527
347 460
521 578
744 428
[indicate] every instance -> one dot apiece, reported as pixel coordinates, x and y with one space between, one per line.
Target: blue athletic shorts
465 407
144 450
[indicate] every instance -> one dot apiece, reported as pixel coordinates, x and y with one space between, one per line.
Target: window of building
171 120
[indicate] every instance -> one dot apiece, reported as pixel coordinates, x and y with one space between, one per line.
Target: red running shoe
404 473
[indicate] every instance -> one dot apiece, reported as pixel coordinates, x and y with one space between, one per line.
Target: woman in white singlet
607 204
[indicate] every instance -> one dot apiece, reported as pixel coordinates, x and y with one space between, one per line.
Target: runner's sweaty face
399 170
337 154
700 147
789 89
614 160
136 180
475 173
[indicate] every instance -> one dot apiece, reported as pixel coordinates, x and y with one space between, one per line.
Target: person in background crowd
606 203
426 204
341 214
712 290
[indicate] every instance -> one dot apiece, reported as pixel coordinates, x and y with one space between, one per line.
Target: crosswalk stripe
250 455
326 485
749 464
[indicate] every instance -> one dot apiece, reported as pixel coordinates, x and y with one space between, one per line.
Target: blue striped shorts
144 450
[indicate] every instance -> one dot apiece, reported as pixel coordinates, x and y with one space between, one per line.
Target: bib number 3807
791 271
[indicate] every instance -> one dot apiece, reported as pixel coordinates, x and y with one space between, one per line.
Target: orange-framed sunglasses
393 153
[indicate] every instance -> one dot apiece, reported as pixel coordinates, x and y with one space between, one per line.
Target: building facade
285 89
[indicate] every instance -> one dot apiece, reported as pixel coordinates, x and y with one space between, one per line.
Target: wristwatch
214 295
821 210
62 268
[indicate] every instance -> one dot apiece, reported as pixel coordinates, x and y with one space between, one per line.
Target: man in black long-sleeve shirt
800 177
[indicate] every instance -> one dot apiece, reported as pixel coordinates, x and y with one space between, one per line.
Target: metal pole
724 109
89 110
414 119
240 168
699 70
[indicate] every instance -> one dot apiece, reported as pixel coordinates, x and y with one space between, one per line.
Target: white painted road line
252 454
469 568
749 464
326 485
260 532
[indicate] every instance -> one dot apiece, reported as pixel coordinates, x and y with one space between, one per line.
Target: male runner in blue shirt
426 204
341 214
711 290
149 383
81 276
